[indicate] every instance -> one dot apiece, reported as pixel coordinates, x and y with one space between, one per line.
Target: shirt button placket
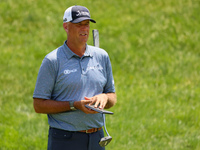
82 66
83 71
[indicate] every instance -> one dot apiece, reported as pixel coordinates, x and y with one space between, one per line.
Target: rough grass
154 49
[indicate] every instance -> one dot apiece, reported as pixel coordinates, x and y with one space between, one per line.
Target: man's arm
112 99
47 106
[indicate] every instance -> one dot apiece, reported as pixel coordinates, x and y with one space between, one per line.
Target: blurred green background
154 49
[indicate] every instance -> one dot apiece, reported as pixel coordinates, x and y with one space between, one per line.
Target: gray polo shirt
64 76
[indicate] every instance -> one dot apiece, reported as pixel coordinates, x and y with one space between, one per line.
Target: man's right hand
81 106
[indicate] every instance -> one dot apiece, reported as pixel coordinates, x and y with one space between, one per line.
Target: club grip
95 33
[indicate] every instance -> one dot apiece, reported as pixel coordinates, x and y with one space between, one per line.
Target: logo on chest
69 71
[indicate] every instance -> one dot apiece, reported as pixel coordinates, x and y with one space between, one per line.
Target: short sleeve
45 80
109 87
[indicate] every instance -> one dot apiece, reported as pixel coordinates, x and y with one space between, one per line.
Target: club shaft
104 124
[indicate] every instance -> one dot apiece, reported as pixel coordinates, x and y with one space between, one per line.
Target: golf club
105 140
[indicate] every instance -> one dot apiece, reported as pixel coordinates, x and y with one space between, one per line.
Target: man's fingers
99 101
87 98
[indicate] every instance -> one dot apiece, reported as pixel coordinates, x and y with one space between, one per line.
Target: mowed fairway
154 47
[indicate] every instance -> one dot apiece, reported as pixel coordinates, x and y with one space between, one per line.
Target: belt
91 130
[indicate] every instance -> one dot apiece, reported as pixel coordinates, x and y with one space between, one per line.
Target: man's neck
78 49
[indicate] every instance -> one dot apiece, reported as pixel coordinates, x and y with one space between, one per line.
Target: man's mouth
83 34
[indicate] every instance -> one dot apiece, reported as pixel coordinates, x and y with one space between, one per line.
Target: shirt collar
69 53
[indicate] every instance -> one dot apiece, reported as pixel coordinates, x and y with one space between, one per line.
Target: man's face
79 32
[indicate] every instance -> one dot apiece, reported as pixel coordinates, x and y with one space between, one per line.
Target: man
73 75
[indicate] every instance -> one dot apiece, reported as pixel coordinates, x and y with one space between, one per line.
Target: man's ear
65 26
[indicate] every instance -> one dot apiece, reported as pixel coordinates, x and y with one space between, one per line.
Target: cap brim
82 19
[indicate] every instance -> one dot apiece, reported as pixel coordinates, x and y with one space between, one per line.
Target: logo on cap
82 13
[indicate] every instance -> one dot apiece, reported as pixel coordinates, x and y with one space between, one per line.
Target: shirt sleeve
109 87
45 80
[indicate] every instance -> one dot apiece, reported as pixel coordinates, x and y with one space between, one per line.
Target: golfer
71 76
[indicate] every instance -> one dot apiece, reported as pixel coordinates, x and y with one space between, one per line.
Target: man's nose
84 27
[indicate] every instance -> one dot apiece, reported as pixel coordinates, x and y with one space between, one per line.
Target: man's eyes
79 24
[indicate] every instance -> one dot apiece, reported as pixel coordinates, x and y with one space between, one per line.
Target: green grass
154 49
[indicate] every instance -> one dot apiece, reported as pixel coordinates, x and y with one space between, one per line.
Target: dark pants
66 140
